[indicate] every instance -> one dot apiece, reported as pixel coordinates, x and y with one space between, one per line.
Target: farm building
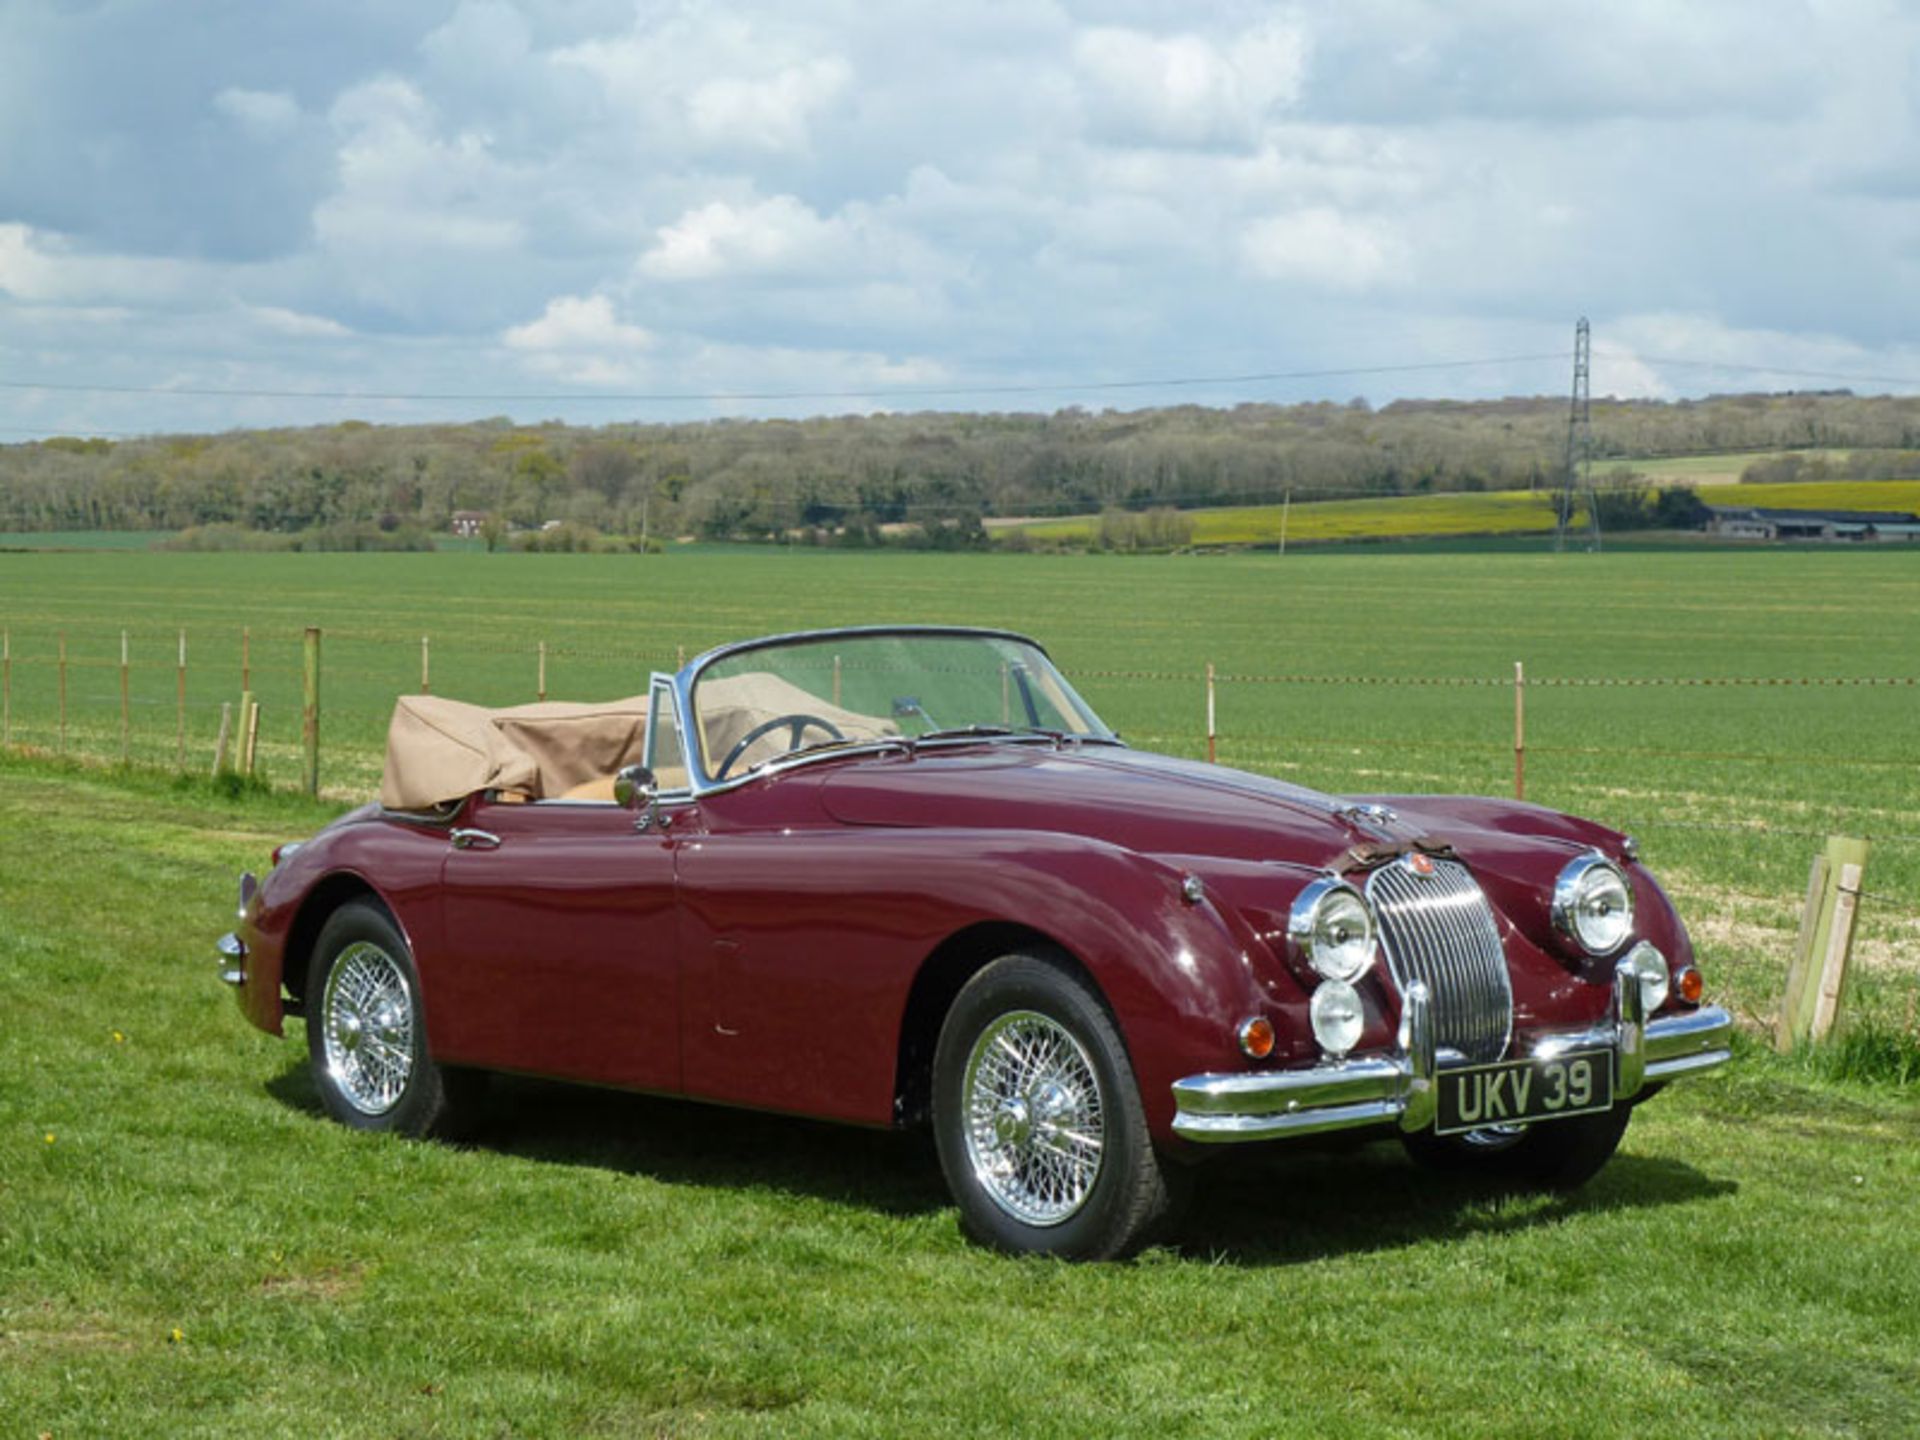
1752 523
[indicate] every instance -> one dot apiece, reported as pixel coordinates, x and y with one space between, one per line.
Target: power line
868 392
1685 364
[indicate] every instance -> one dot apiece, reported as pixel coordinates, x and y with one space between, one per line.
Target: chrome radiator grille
1440 929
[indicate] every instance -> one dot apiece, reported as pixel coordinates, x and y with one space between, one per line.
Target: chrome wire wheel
1035 1119
367 1015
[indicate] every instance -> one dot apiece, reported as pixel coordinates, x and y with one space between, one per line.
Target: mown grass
187 1248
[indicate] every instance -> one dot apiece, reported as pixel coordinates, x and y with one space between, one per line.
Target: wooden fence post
543 670
220 745
1519 730
63 692
426 672
6 688
244 734
1211 749
246 658
253 734
310 708
1816 979
180 709
126 705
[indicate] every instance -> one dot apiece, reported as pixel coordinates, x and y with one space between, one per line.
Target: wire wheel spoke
1035 1123
367 1017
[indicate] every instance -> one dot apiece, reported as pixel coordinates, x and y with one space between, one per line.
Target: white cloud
1188 90
578 322
579 339
1322 246
293 323
262 114
771 113
778 235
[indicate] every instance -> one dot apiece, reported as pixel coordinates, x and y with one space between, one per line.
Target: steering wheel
798 725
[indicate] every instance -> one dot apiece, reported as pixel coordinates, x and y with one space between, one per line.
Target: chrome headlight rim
1571 887
1303 923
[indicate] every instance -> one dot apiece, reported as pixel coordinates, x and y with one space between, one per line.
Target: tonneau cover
442 750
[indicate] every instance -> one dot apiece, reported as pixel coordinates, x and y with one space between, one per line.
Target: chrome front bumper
233 959
1399 1089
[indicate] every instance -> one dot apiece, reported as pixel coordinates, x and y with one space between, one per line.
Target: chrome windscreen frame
683 681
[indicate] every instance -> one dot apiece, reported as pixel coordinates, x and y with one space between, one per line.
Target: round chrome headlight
1331 924
1336 1014
1593 904
1650 969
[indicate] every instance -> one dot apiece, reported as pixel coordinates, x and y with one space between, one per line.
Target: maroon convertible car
902 875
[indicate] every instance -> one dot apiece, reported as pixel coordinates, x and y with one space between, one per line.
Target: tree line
928 478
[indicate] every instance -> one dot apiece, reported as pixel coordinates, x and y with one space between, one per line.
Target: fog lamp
1650 969
1336 1014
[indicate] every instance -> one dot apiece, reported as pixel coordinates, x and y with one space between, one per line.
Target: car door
561 954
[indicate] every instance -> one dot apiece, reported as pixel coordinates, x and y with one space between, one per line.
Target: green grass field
606 1265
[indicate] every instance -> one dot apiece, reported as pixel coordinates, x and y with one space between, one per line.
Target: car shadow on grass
1274 1206
1261 1206
684 1142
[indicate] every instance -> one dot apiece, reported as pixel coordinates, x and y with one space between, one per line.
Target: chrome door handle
475 840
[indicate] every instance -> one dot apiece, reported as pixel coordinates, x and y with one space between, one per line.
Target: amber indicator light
1256 1037
1690 986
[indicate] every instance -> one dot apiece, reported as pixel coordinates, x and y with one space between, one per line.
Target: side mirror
635 788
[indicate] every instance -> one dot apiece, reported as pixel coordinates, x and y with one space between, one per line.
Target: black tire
1015 1157
373 1071
1558 1155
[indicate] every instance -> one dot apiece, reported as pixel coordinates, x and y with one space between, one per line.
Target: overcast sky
905 204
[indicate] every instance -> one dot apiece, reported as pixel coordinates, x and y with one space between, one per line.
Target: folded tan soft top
443 750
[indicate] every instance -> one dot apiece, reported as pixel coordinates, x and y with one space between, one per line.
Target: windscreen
766 702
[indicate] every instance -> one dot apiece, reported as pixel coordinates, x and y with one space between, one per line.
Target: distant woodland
928 479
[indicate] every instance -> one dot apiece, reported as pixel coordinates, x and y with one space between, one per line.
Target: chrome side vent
1436 926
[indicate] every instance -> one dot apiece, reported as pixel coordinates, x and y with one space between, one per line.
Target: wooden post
246 658
836 680
244 733
310 708
220 746
180 709
426 672
543 670
63 692
1519 730
126 705
1210 734
253 735
679 658
1816 980
1286 510
6 688
1833 969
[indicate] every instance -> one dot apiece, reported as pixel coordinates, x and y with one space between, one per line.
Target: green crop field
187 1248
